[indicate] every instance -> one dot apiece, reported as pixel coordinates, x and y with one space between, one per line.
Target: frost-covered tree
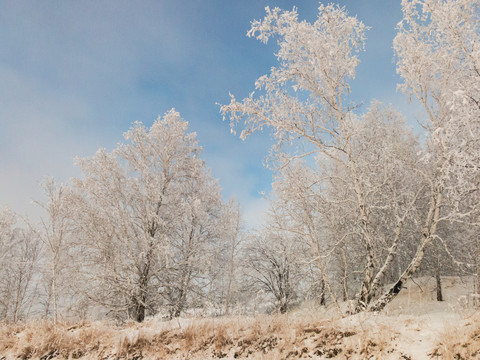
233 235
358 165
7 222
18 265
144 214
319 199
222 277
303 99
438 57
193 234
298 208
271 266
55 231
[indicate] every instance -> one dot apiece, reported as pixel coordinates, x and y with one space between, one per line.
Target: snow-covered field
413 326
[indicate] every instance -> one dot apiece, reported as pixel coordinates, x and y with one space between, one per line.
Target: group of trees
358 201
143 230
359 187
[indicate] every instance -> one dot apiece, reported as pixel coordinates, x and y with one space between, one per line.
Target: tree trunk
439 286
477 261
141 299
54 291
438 279
228 296
365 295
345 278
321 292
427 236
140 312
323 273
326 285
177 311
366 291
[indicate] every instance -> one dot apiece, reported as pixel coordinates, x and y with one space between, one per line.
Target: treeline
359 203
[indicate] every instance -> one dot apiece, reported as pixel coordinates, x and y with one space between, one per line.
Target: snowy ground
414 326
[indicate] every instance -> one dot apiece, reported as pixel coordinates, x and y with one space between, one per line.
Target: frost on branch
315 62
439 59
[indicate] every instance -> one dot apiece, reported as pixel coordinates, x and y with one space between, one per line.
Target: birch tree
438 57
141 212
54 232
304 101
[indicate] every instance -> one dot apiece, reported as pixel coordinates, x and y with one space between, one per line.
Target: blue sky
75 75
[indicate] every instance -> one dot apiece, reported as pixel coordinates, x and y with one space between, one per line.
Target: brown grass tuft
459 342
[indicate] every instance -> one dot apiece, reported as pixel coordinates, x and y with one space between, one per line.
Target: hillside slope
414 326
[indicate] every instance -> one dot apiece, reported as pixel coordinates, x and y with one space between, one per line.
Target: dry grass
459 342
41 339
291 336
370 339
263 337
308 332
